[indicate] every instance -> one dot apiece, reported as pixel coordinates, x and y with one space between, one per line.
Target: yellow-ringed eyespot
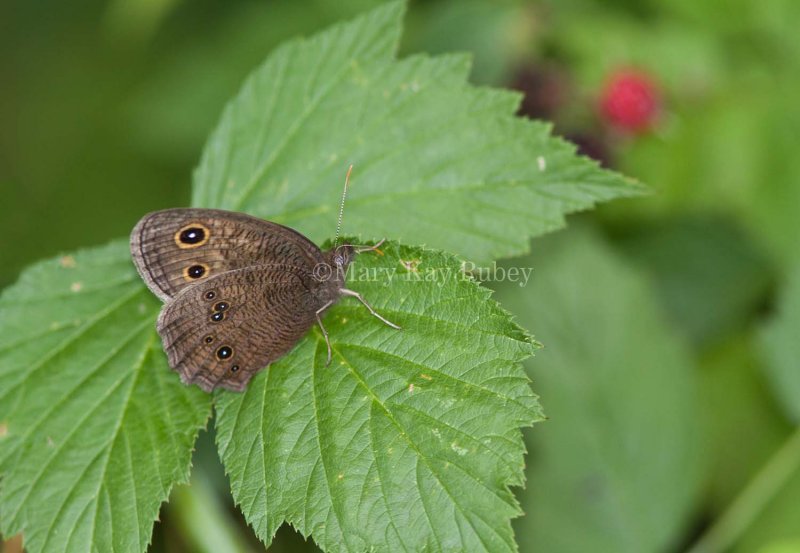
192 235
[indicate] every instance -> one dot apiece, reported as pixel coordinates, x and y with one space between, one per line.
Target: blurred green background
105 106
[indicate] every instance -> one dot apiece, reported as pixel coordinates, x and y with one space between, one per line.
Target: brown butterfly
239 291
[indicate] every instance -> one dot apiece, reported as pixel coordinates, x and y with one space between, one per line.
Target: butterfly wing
175 248
222 331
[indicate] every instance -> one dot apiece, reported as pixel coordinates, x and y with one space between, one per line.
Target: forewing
175 248
222 331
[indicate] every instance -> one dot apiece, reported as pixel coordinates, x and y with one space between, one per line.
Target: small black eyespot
192 235
221 306
209 339
224 352
234 368
217 317
211 294
196 271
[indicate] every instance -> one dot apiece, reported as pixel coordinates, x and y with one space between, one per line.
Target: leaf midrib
76 426
411 444
93 320
250 186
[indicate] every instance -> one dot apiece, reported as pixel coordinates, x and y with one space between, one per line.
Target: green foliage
720 230
437 161
95 428
412 438
737 402
729 132
710 277
776 528
496 34
781 345
620 467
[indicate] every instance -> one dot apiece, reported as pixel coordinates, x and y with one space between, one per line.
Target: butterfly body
239 291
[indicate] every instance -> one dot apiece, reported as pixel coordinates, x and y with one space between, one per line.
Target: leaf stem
203 519
753 499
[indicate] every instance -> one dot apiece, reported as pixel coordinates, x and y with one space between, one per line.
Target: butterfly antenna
341 206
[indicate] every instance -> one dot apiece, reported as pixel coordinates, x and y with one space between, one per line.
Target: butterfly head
333 271
342 255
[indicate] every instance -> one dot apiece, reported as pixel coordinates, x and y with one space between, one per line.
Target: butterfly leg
362 249
322 328
360 298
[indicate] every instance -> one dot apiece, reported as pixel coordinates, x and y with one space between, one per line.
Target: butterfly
239 292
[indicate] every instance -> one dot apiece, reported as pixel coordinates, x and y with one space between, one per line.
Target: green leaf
777 524
500 35
781 349
94 427
737 402
615 467
95 430
711 277
437 161
409 440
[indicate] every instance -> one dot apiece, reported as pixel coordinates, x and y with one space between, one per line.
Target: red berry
630 101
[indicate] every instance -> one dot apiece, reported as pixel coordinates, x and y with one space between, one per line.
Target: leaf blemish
3 429
410 265
411 388
458 449
542 162
426 377
68 262
76 286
